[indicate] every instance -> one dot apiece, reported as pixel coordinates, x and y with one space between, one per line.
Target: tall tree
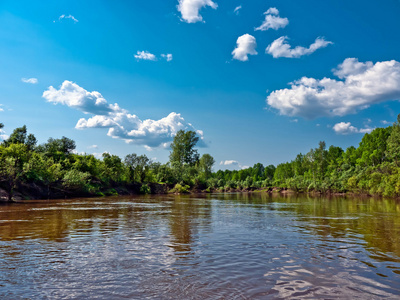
183 152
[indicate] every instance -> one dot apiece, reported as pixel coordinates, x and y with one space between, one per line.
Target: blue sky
124 76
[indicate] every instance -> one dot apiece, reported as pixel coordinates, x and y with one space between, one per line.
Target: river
218 246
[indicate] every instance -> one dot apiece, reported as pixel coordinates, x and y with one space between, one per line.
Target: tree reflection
187 216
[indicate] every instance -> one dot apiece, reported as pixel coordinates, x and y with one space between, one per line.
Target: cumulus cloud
345 128
281 48
71 17
168 56
30 80
351 66
245 45
74 96
189 9
384 122
119 122
237 10
145 55
272 20
229 163
359 88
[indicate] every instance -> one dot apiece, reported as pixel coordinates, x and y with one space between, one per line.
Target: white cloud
233 164
71 17
3 135
384 122
237 9
168 56
145 55
281 48
73 95
229 163
359 88
30 80
351 66
245 45
345 128
272 11
93 147
120 123
190 9
272 20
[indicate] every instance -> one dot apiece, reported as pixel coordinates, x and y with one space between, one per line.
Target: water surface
232 246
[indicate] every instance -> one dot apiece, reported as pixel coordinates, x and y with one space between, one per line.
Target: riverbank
34 191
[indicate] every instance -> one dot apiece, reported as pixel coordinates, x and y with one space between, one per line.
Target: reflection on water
222 246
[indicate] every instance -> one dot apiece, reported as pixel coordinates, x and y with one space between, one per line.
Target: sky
258 81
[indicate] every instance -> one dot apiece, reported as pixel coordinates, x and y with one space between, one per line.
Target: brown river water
232 246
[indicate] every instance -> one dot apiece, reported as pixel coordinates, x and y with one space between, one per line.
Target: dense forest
53 169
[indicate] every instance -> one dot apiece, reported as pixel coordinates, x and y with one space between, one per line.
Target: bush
181 189
76 180
212 183
145 189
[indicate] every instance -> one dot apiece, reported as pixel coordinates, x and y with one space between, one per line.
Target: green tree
269 172
12 160
372 148
138 166
205 164
113 168
58 149
393 143
20 136
183 152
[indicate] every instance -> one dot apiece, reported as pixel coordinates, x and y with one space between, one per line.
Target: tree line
372 168
54 169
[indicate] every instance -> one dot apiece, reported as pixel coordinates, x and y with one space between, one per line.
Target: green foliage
393 143
373 167
183 151
20 136
138 166
181 189
76 180
205 164
145 189
111 192
113 170
372 148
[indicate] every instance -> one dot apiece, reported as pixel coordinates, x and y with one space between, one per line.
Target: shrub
181 189
145 189
76 180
